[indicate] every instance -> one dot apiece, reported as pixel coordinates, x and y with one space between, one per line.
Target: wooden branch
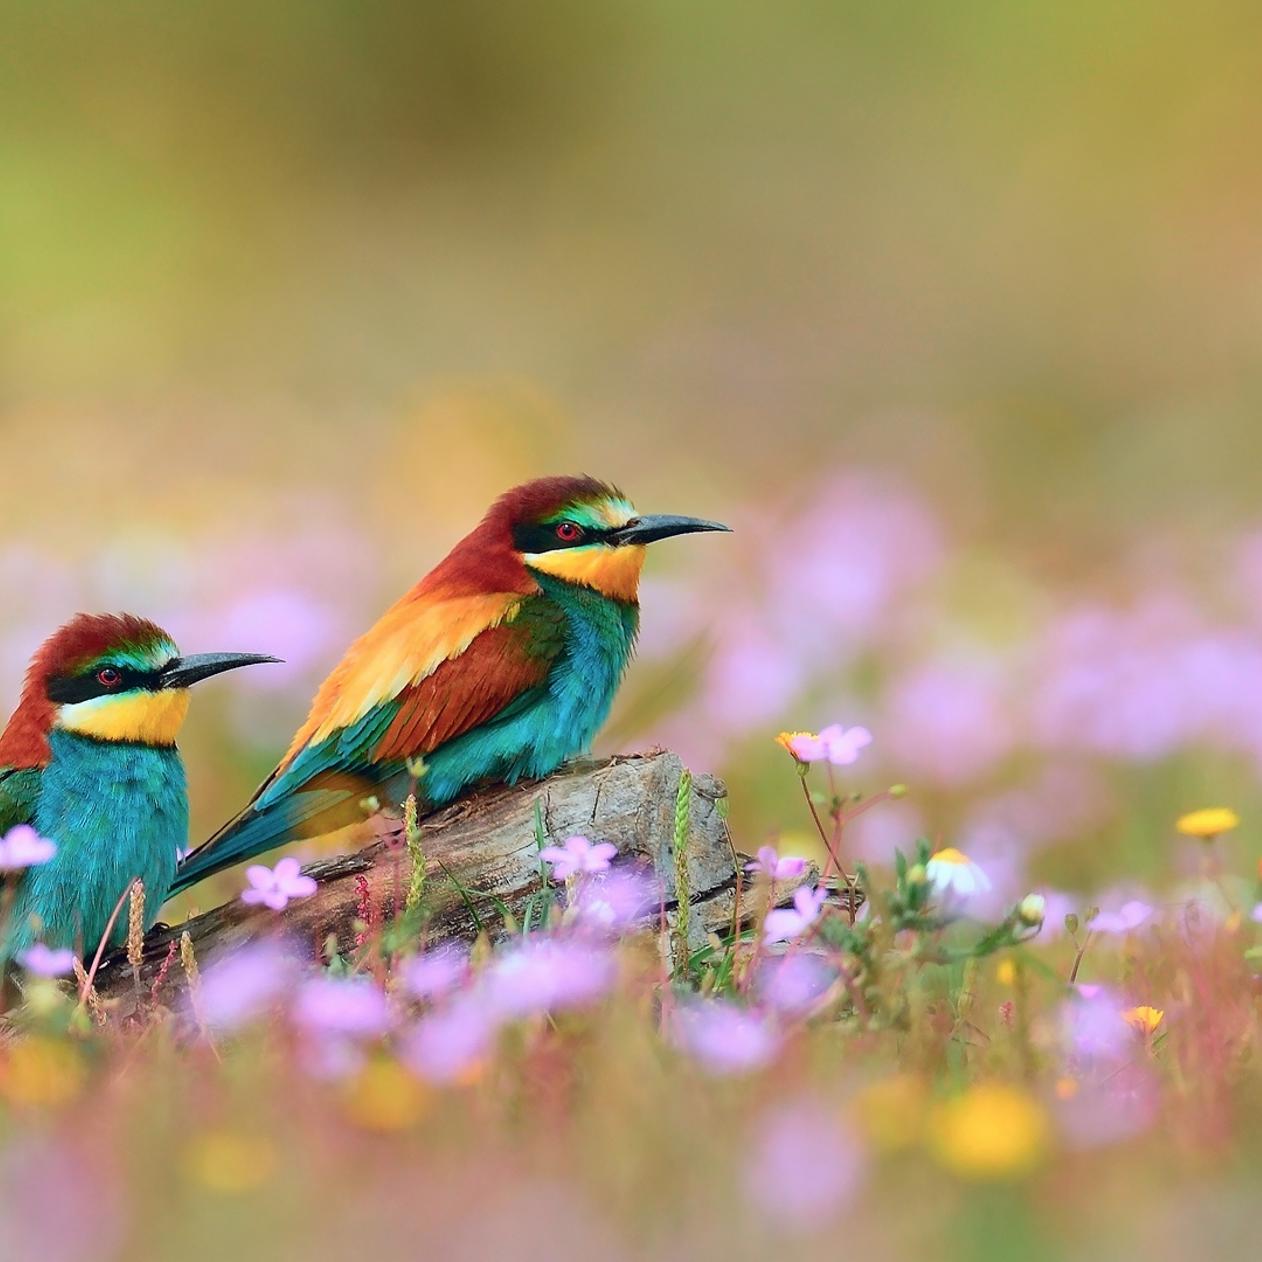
486 846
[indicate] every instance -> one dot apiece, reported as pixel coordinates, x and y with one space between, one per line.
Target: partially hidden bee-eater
89 760
498 665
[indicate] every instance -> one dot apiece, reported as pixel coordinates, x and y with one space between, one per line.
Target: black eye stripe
71 689
542 536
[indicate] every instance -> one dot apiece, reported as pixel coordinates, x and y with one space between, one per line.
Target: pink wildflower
1127 918
577 855
46 961
22 847
725 1039
784 924
274 887
834 744
547 975
793 984
238 988
775 867
435 973
450 1042
333 1005
616 901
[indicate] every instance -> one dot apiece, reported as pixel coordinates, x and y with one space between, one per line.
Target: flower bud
916 874
1031 910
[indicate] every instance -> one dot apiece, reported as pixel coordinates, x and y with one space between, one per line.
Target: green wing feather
19 792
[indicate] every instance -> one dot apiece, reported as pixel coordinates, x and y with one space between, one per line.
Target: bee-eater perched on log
89 760
497 666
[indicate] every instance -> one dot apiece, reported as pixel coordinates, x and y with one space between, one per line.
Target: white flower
955 878
1032 910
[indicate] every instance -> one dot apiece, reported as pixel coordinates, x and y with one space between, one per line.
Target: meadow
950 312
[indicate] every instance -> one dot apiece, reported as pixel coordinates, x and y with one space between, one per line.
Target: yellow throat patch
613 572
144 718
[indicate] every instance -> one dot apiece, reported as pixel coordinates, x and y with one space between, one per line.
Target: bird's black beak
660 526
184 671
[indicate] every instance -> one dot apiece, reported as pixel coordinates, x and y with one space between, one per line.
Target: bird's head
112 677
584 532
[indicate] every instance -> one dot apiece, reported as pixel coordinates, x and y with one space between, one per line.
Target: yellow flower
891 1111
230 1161
383 1096
1006 972
1145 1019
991 1131
1209 823
785 740
42 1072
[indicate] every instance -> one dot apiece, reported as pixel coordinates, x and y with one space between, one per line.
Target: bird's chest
116 812
599 639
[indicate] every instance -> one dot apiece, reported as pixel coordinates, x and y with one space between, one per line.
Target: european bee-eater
89 760
498 665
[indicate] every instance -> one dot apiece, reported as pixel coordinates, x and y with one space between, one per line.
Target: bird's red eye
108 677
568 531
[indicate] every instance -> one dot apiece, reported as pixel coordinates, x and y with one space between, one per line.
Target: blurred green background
289 291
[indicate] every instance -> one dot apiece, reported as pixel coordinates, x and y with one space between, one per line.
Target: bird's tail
314 812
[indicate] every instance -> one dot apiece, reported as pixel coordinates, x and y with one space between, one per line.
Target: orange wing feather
462 693
410 642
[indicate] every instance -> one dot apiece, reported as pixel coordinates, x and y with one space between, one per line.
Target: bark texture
481 855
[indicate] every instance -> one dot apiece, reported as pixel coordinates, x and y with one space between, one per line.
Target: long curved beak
660 526
189 670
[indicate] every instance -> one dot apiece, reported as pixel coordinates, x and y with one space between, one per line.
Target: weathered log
481 856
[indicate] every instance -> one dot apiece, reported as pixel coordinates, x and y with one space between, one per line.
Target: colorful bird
89 761
497 666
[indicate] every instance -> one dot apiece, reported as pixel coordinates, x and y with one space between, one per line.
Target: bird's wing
19 792
384 705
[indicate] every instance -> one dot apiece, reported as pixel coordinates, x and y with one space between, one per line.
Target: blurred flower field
574 1088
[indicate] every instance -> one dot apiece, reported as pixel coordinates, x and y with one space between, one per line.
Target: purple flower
22 847
792 984
803 1166
835 744
239 987
350 1006
784 924
435 973
547 975
1256 914
616 901
774 867
274 887
577 855
46 961
450 1042
1094 1029
1128 917
725 1039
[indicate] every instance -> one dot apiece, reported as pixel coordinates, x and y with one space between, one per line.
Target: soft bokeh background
953 310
